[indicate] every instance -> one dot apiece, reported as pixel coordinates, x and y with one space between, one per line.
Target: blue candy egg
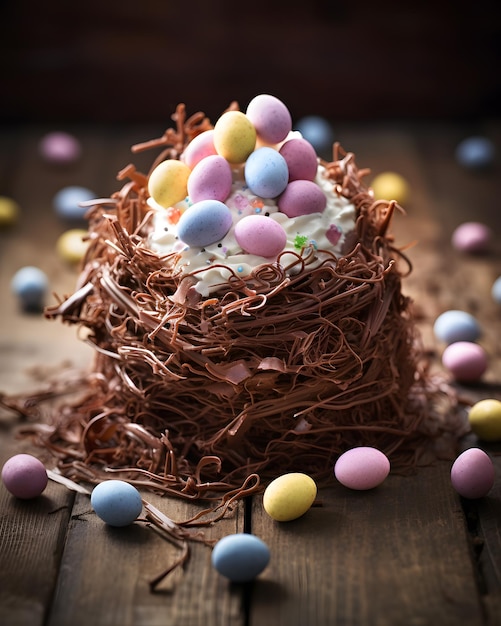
266 172
30 285
205 222
317 131
496 290
454 325
475 152
116 502
67 201
240 557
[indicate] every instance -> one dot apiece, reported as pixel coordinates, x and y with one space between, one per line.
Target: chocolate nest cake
243 324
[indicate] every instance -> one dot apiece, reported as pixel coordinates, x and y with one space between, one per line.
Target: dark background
133 61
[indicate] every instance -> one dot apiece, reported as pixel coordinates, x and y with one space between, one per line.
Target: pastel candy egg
168 182
390 186
30 285
454 325
24 476
210 179
484 418
301 159
496 290
471 237
260 235
473 474
116 502
9 211
234 136
60 147
205 222
266 172
270 117
466 361
302 197
240 557
72 245
289 496
68 202
362 468
475 152
199 148
318 131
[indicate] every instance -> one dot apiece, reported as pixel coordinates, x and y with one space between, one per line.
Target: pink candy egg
270 117
199 148
465 360
60 147
301 159
471 237
473 474
302 197
260 235
210 179
362 468
24 476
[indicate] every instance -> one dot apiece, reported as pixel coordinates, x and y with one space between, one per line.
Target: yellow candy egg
9 210
234 136
485 419
390 186
289 496
71 246
168 182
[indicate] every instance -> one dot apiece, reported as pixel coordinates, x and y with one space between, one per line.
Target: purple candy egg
24 476
473 474
301 159
210 179
465 360
471 237
302 197
260 235
270 117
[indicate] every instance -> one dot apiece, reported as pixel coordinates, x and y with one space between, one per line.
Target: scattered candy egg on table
472 237
9 211
205 222
266 172
30 285
362 468
240 557
302 197
475 152
465 360
390 186
260 235
270 117
301 159
168 182
473 474
289 496
210 179
496 290
71 246
455 325
67 202
60 147
116 502
24 476
234 136
199 147
318 131
484 418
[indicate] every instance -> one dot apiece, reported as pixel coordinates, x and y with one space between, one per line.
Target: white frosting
306 234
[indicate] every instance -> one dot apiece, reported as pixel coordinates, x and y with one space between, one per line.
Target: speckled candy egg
302 197
68 201
270 117
266 173
30 285
362 468
240 557
168 182
205 222
473 474
289 496
484 418
260 235
301 159
116 502
210 179
199 148
455 325
475 152
466 361
24 476
234 136
390 186
472 237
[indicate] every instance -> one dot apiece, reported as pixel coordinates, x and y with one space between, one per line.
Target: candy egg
67 202
260 235
465 360
9 211
71 246
205 222
301 159
471 237
454 325
266 172
496 290
30 285
302 197
270 117
234 136
317 131
475 152
289 496
210 179
60 147
199 147
168 182
473 474
240 557
484 418
24 476
390 186
116 502
362 468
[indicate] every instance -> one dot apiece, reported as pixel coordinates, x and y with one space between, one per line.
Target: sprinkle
173 215
300 241
240 268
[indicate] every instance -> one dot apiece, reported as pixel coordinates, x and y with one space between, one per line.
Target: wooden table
408 552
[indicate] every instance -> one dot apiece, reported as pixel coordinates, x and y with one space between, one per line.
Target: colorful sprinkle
300 241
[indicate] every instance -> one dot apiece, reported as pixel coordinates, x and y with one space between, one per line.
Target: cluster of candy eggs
274 166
